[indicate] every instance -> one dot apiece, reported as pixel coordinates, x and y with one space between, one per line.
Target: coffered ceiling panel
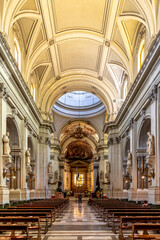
95 39
42 58
29 5
27 26
73 14
114 58
39 39
119 40
79 54
131 27
129 6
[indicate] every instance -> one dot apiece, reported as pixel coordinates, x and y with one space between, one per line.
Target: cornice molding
17 78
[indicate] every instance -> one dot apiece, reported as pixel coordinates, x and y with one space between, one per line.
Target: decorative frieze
118 140
3 92
153 94
47 141
110 141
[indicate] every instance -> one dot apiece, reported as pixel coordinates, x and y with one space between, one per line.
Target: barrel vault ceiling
77 44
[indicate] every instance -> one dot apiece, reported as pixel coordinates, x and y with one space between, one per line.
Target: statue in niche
6 147
108 167
28 160
129 159
150 144
50 167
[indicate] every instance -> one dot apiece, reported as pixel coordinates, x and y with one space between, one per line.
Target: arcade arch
79 141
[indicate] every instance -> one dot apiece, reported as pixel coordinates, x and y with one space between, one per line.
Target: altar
76 195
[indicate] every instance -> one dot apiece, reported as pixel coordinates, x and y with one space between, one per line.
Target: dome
79 104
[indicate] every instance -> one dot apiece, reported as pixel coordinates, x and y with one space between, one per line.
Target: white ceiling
71 45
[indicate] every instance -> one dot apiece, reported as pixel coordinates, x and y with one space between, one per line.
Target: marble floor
79 222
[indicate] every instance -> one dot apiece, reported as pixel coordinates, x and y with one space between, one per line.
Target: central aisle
79 222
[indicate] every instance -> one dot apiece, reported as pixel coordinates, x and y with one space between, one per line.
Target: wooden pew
41 215
51 213
126 222
38 209
102 206
58 205
109 212
27 220
13 228
117 215
145 227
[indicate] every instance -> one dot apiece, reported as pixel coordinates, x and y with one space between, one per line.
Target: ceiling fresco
79 130
79 150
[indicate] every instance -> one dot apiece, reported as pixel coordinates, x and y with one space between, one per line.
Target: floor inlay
79 222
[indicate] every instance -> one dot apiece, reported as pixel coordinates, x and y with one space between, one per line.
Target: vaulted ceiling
86 45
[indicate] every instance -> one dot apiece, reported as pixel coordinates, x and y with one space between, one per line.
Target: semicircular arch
81 83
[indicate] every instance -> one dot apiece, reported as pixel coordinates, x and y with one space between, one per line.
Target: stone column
36 171
54 158
96 172
18 175
4 192
103 156
32 181
61 172
44 158
11 179
116 168
153 192
139 173
25 192
132 194
15 191
157 172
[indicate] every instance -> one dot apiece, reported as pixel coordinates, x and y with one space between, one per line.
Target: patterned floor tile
79 222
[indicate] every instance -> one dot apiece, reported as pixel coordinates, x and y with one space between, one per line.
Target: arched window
17 53
33 91
141 54
125 90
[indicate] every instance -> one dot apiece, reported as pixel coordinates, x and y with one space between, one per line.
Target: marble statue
150 144
129 159
50 167
6 147
108 167
28 157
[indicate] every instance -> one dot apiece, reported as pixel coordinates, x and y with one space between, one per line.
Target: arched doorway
14 181
142 169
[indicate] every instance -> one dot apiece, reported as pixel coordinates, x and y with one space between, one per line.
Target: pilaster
4 191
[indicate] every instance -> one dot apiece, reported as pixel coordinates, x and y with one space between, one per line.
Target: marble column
96 173
37 169
103 156
54 158
116 166
4 191
153 192
44 158
25 192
